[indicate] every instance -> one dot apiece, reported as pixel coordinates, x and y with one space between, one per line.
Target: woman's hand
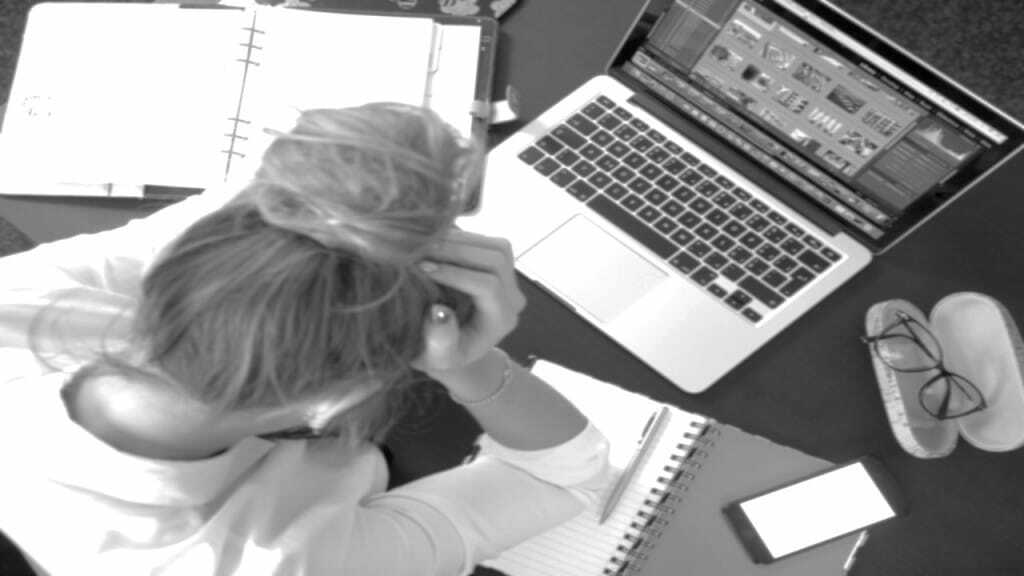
481 267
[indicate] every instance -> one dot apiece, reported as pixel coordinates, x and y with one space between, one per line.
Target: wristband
506 377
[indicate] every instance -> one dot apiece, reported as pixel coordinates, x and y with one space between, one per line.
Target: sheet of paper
454 75
137 93
327 60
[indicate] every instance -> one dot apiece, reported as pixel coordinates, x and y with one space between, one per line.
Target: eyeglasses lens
910 347
950 396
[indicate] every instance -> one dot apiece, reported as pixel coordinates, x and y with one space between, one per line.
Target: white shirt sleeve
450 521
96 274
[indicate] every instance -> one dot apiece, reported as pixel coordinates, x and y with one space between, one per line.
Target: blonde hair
306 283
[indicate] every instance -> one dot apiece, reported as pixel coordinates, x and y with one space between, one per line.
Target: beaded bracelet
506 377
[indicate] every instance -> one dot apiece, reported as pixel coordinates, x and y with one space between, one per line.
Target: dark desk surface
811 387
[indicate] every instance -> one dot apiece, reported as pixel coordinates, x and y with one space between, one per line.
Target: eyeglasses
911 347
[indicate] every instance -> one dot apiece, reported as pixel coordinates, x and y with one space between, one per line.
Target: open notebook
670 519
161 94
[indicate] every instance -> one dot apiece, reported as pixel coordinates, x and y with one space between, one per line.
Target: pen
647 442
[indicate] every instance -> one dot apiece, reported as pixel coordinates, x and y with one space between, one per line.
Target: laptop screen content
869 134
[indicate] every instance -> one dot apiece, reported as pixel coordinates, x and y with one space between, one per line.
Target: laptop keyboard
723 237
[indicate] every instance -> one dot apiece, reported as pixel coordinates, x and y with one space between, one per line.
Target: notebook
670 519
176 95
738 161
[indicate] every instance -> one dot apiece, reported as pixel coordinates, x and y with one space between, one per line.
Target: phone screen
817 509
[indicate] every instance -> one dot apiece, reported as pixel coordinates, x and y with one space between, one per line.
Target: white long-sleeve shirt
76 505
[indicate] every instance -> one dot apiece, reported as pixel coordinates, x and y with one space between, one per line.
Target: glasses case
980 342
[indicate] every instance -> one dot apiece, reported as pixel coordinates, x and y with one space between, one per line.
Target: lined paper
582 547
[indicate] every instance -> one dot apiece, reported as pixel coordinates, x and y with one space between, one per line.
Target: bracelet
506 377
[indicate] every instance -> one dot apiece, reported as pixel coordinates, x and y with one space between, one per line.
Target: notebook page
453 82
311 59
107 93
582 546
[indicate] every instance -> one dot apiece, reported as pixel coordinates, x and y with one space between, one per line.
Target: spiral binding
236 120
658 510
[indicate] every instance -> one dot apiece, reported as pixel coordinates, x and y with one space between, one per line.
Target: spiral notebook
669 521
133 94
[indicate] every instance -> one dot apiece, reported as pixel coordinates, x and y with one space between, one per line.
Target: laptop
738 161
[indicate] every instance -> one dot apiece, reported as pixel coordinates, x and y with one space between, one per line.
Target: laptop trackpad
591 269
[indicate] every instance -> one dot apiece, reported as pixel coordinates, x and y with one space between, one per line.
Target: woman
198 392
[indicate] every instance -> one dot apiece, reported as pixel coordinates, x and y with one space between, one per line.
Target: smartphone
816 509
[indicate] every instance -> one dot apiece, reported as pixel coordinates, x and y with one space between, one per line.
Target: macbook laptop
739 161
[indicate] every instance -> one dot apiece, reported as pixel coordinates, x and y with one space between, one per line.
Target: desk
812 387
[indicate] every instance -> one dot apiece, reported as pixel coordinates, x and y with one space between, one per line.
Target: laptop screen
868 133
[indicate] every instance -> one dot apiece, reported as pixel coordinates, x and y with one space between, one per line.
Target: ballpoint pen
647 441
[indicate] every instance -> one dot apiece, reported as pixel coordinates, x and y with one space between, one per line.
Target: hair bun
384 180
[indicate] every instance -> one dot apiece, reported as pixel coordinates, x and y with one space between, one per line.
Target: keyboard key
666 225
707 188
632 202
625 133
617 149
667 183
531 154
584 168
740 254
792 287
802 274
794 230
582 124
813 242
547 166
616 190
723 243
622 113
741 194
724 199
639 124
751 240
635 228
605 101
593 110
656 136
684 262
768 252
568 136
758 223
673 147
751 314
639 185
700 205
698 248
550 145
623 174
707 171
740 211
602 138
651 172
608 163
673 166
649 214
830 254
691 177
758 205
717 217
690 159
610 122
733 272
634 160
777 218
706 231
581 190
774 278
792 246
759 290
641 143
599 179
738 299
657 154
656 197
683 194
567 157
717 290
682 236
734 228
672 208
715 260
591 151
785 263
775 234
756 266
563 177
704 275
689 219
723 182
